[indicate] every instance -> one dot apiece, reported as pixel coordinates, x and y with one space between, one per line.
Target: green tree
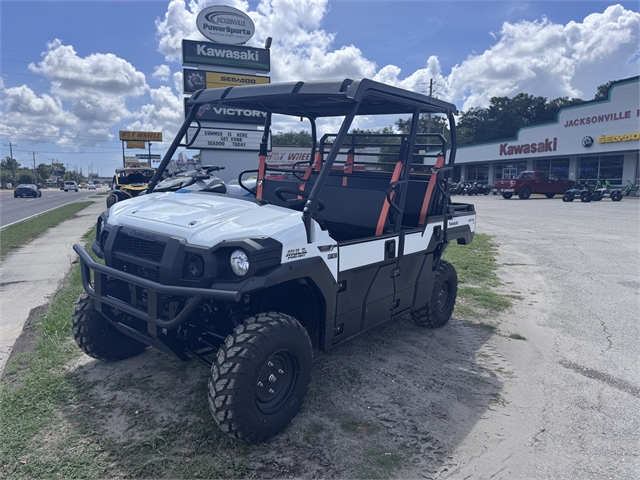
301 139
603 91
8 168
505 116
24 175
43 172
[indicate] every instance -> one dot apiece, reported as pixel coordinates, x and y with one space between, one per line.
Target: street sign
231 56
226 139
146 156
141 136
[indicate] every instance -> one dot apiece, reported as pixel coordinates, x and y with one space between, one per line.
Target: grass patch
476 267
357 426
21 233
517 336
475 263
378 464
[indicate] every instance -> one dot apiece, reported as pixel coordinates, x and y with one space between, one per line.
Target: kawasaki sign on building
589 141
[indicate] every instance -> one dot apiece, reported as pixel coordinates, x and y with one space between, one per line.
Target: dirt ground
395 403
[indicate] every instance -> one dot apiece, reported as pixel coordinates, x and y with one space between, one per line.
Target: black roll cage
319 99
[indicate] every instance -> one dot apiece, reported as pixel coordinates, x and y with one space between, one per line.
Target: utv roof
327 98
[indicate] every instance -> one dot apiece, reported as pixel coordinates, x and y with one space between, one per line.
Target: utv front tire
260 376
97 338
443 298
111 200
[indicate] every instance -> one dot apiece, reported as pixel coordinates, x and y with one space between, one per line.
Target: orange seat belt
348 168
317 166
430 187
385 207
262 163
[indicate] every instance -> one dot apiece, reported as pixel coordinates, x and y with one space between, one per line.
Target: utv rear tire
97 338
111 200
507 196
260 376
616 196
568 197
585 197
524 193
443 298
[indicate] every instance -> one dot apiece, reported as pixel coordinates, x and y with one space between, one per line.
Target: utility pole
35 179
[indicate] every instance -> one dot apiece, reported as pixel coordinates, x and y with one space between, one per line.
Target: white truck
314 256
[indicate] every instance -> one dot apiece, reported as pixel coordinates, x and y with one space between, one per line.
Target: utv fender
312 269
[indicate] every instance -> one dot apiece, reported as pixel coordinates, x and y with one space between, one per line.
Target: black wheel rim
444 297
276 381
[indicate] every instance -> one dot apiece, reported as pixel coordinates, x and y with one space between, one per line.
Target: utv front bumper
154 293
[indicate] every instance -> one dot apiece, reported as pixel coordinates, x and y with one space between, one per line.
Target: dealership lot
577 266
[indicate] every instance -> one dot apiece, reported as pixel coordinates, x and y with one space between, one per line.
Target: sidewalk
30 275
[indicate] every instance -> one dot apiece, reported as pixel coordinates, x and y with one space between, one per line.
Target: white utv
317 255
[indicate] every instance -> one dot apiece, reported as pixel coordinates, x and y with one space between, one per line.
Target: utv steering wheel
294 203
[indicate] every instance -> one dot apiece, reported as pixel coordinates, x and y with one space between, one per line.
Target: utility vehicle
317 255
129 182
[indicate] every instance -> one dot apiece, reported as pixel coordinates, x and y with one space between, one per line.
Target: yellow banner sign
197 79
136 144
141 136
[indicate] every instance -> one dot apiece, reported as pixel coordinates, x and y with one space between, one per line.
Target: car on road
91 186
27 190
82 185
69 185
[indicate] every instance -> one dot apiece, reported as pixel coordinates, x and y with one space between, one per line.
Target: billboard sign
141 136
224 24
225 138
220 114
145 156
231 56
197 79
136 144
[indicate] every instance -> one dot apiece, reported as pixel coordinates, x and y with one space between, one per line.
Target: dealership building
596 140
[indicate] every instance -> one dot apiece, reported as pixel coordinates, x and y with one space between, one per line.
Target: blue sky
57 99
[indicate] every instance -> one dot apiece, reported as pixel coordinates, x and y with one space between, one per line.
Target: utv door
366 284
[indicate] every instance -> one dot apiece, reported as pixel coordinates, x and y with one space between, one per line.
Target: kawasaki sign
234 56
224 24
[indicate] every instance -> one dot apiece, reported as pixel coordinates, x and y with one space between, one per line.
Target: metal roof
326 98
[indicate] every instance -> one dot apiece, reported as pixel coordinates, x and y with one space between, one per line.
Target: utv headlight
239 261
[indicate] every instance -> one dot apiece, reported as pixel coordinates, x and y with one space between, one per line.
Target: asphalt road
16 209
580 265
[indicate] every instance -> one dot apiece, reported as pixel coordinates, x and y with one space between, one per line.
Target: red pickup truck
532 182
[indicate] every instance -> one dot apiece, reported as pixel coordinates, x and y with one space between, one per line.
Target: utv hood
203 218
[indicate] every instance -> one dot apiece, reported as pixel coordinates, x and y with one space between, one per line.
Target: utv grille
143 248
142 272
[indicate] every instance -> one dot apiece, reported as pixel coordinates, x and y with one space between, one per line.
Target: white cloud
162 72
165 114
542 58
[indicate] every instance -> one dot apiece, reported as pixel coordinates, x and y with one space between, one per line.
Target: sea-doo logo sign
587 141
235 56
526 148
224 24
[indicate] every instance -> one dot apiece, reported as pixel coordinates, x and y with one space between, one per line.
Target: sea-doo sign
224 24
232 56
